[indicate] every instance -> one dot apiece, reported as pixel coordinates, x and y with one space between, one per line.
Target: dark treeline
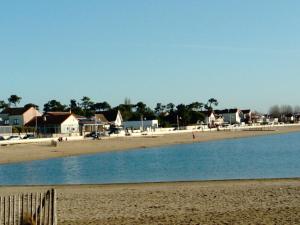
168 115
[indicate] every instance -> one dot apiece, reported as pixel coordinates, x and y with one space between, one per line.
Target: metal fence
30 208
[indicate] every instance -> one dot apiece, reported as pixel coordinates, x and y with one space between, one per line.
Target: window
16 122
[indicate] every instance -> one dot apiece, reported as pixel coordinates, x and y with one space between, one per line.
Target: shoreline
41 151
262 201
158 183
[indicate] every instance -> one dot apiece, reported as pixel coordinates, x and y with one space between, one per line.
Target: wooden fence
39 207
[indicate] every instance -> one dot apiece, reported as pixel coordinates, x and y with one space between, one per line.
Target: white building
55 123
231 116
141 124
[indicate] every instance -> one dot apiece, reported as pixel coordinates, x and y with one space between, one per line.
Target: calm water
275 156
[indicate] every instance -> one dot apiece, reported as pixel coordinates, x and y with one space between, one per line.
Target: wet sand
27 152
263 202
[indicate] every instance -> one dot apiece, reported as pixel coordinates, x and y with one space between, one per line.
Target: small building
88 125
112 117
140 125
18 116
55 123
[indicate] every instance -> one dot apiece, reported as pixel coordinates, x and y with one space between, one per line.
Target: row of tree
168 114
277 111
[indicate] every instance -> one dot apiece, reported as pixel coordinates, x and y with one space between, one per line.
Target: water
275 156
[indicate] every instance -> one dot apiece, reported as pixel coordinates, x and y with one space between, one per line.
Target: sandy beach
27 152
263 202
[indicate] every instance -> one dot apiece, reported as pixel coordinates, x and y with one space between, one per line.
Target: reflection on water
275 156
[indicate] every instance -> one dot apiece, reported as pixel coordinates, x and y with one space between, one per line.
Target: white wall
70 125
138 124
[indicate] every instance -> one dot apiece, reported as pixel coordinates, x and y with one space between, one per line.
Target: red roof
49 118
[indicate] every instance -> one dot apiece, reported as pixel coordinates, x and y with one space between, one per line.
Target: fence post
54 217
0 210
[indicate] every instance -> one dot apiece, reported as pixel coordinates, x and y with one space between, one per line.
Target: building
18 116
231 116
112 117
88 125
247 116
209 118
55 123
141 125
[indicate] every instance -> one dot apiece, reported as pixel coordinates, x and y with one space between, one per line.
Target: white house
18 116
231 116
55 123
210 118
113 117
141 124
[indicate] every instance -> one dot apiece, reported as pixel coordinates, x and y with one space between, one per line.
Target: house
112 117
18 116
209 118
55 123
247 116
231 116
141 124
88 125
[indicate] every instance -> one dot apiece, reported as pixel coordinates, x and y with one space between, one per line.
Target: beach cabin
56 123
18 116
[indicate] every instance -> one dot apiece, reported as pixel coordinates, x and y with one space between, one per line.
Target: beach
38 151
263 202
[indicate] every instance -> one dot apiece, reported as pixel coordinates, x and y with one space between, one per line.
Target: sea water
276 156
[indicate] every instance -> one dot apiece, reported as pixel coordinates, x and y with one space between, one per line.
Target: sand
27 152
264 202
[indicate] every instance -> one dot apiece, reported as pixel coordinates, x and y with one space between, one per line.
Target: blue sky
244 53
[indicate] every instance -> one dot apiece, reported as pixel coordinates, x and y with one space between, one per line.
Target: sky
245 54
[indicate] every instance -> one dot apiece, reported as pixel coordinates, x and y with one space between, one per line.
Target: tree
286 109
297 109
101 106
14 99
75 107
183 114
54 106
3 104
87 105
170 107
159 109
140 107
29 105
210 102
274 111
196 106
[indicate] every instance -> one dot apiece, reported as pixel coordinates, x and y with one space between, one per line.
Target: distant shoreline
39 151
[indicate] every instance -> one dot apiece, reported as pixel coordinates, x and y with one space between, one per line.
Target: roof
207 113
246 111
226 111
101 117
49 119
15 111
110 115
